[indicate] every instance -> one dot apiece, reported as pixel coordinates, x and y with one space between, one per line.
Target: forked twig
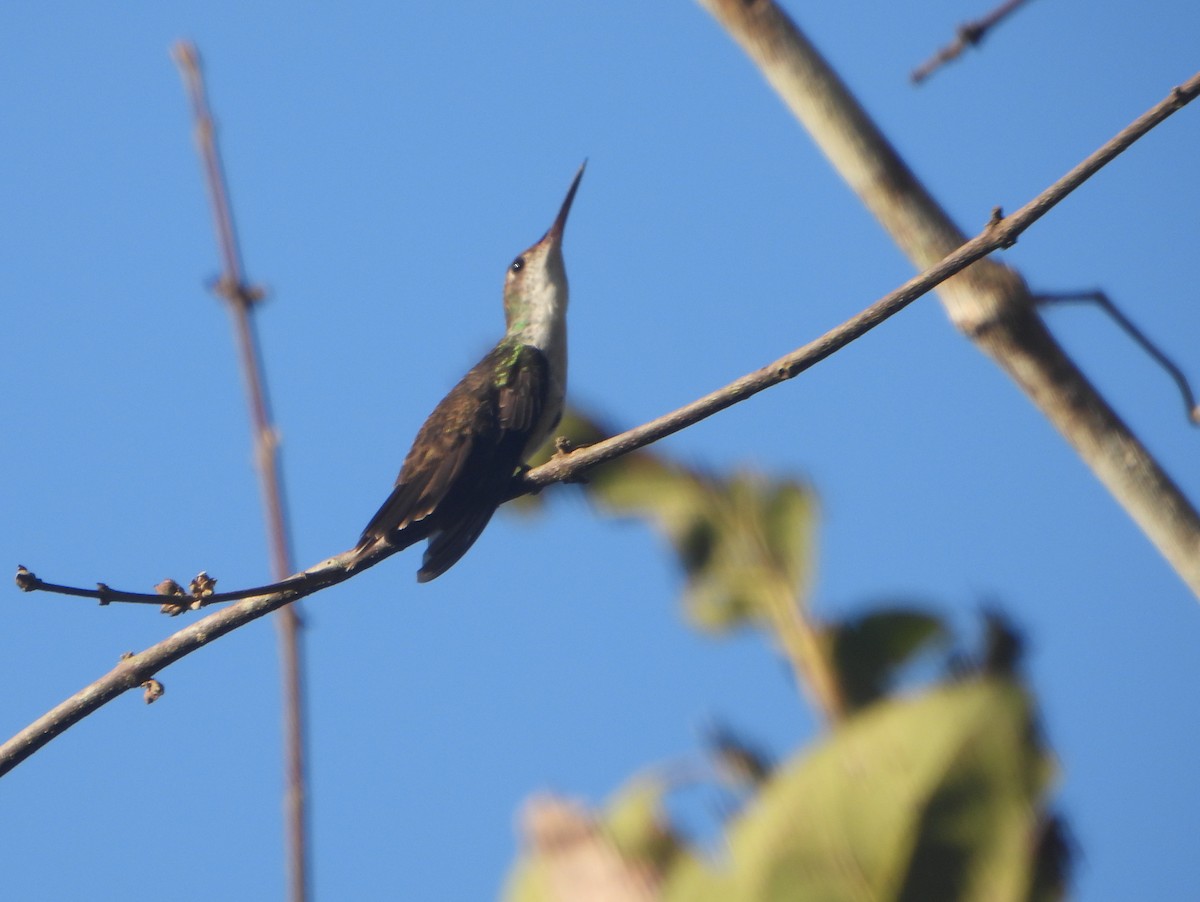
1102 300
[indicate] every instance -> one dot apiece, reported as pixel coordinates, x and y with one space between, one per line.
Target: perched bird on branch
462 463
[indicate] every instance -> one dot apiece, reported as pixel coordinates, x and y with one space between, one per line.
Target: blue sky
386 163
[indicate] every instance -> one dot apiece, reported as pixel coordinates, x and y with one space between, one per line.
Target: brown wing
439 454
465 455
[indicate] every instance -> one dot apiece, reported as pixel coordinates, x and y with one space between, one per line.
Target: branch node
966 35
202 586
27 581
1129 327
562 447
995 221
238 292
126 655
971 33
171 589
154 691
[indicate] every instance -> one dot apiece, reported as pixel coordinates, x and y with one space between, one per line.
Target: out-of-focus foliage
867 650
740 539
932 798
617 855
941 795
739 762
938 797
744 543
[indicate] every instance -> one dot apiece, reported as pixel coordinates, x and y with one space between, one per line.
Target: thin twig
999 233
241 297
1191 409
969 34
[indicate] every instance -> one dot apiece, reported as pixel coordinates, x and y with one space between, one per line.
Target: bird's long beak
555 231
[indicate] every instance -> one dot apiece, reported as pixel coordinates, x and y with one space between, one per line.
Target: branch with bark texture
989 303
1001 232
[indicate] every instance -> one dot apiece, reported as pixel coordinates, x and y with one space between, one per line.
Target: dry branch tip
26 580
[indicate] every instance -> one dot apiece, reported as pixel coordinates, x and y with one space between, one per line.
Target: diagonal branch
999 233
989 303
967 35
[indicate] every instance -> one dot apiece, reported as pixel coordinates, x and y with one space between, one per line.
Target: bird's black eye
517 265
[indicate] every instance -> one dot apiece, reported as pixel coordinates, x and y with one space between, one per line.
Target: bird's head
535 285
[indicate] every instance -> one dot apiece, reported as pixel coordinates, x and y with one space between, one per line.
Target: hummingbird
462 463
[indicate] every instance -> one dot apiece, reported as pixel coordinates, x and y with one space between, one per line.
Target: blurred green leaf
940 797
788 520
636 823
740 539
933 798
760 532
866 651
526 883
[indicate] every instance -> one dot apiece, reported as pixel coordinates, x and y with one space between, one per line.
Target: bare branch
321 576
999 233
1191 409
989 303
968 34
242 297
